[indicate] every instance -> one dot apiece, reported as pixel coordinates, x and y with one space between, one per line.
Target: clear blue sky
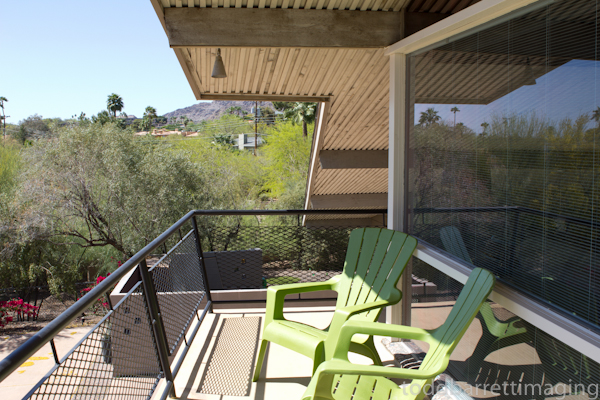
59 58
568 91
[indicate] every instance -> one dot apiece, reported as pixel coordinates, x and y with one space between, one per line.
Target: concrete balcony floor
220 362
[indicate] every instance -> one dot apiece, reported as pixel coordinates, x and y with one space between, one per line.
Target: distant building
245 141
165 133
128 119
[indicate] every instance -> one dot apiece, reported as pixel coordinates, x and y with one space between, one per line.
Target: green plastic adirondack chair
375 259
339 379
496 334
454 244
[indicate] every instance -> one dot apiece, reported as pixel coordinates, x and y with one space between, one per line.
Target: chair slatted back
374 263
474 294
453 243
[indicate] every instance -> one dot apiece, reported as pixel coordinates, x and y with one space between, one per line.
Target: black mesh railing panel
533 251
117 359
180 288
432 285
257 257
126 354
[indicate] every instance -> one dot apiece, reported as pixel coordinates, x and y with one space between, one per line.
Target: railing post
158 328
201 259
513 244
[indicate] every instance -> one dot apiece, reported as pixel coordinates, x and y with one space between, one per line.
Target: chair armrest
351 328
276 295
336 366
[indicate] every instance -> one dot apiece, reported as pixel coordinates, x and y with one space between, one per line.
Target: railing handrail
548 214
40 338
291 212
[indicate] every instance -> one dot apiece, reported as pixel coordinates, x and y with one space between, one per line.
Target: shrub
18 308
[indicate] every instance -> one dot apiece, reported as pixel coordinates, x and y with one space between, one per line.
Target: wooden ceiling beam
250 27
415 21
345 159
360 200
263 97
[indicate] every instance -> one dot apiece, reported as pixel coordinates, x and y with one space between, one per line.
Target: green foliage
282 280
267 116
103 117
95 193
98 185
169 127
222 139
228 124
233 179
429 117
286 155
10 164
283 105
149 118
33 127
114 103
302 114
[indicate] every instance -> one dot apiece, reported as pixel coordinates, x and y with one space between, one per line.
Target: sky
568 91
61 58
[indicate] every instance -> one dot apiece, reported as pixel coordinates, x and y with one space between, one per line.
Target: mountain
213 109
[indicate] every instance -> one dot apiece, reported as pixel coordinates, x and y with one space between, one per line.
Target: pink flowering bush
100 306
15 308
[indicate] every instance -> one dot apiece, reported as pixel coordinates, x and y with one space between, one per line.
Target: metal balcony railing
162 289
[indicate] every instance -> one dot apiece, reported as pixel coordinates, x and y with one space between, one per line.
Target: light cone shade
219 67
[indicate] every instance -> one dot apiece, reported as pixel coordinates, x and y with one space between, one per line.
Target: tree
114 103
91 185
222 140
150 113
237 110
454 110
149 117
286 155
302 113
33 127
2 101
429 117
267 115
283 105
101 118
596 115
484 125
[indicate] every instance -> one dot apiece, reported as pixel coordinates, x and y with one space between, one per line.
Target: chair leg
319 357
367 349
370 344
260 359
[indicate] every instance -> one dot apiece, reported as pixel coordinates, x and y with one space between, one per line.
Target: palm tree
302 113
484 125
454 110
2 100
114 103
429 117
150 113
234 110
595 115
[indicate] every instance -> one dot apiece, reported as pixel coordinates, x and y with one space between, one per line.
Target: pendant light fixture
219 67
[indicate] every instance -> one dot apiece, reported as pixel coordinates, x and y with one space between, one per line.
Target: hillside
213 109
